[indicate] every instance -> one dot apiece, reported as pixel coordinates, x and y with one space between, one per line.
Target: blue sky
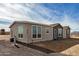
66 14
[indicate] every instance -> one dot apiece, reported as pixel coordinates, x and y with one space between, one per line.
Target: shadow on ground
54 46
58 45
37 47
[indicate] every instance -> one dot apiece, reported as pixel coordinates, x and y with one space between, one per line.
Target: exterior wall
27 35
49 35
29 40
68 34
25 38
14 31
45 36
65 35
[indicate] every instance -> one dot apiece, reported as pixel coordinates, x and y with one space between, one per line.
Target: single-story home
66 32
29 32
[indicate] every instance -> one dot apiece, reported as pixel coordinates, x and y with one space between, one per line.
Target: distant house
66 32
29 32
2 31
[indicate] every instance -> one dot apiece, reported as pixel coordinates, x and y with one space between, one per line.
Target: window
68 32
20 31
59 32
39 31
20 35
36 31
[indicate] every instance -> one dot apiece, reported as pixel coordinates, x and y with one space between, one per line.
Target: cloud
10 12
68 21
26 11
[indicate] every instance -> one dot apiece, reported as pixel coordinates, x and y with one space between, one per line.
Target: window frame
32 31
36 31
60 32
19 34
68 31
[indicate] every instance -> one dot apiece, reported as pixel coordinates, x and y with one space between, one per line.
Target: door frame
55 34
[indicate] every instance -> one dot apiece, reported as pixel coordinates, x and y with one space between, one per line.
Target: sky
67 14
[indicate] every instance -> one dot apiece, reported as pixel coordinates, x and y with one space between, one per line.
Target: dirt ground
4 37
7 49
66 46
60 47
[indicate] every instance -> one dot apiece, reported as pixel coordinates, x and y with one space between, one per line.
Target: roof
52 25
56 24
27 22
66 27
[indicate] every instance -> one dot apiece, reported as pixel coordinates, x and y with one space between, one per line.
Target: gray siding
65 35
28 32
13 30
45 36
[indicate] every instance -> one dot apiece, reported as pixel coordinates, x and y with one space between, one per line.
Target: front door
55 34
59 33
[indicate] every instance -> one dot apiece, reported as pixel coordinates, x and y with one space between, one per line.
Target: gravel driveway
61 47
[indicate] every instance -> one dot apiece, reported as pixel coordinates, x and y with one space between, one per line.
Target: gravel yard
7 49
60 48
67 46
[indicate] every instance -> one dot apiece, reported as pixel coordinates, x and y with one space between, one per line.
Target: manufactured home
66 32
29 32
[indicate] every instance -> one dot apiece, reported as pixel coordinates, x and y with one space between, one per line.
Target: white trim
20 38
36 31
